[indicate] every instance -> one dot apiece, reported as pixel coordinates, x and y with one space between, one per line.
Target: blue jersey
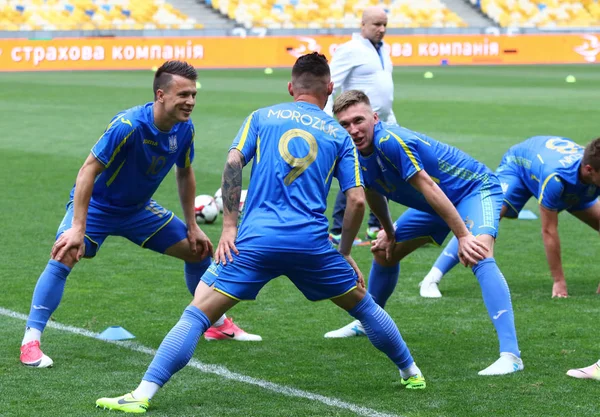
400 153
137 156
549 168
296 150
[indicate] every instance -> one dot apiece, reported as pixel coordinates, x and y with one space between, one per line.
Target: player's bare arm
552 247
353 217
231 189
186 186
380 208
72 239
470 250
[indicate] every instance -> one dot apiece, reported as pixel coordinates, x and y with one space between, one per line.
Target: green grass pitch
49 123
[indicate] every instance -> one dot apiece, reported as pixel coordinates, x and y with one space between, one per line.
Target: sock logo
501 312
40 308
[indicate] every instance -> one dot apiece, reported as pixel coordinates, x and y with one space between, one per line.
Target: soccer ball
242 200
219 200
206 209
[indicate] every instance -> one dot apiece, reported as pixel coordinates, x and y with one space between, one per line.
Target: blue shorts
152 227
317 276
480 211
516 193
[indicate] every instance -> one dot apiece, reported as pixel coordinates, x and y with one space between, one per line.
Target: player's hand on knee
72 242
384 243
360 278
226 246
199 242
559 289
471 250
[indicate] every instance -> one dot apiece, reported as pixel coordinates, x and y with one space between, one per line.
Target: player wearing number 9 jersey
296 151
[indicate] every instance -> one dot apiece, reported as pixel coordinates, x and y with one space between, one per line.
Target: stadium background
478 100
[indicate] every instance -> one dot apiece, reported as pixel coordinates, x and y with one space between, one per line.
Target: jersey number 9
299 165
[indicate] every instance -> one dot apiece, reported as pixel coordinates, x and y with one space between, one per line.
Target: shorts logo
469 223
173 144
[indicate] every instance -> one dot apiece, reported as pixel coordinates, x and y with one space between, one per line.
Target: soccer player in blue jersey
296 149
561 175
446 190
113 196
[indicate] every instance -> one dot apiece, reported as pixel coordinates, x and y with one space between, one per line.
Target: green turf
51 120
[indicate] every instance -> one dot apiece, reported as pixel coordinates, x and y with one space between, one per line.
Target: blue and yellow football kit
547 168
137 156
296 150
400 153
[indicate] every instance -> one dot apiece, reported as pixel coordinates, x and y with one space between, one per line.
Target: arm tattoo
232 181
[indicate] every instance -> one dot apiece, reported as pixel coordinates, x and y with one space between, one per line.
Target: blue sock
448 259
194 271
496 297
382 282
178 346
382 331
47 294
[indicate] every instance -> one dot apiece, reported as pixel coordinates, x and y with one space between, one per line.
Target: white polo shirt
357 65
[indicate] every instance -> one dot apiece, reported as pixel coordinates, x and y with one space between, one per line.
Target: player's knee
380 259
70 258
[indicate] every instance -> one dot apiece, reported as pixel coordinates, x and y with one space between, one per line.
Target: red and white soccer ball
206 209
219 200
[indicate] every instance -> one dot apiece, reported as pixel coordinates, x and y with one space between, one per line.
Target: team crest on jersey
173 144
381 164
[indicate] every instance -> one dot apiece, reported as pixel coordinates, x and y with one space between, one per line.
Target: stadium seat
542 13
91 15
275 14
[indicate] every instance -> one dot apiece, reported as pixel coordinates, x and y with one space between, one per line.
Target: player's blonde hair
591 154
348 99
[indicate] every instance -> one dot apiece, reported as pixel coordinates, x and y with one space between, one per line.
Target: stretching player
561 175
113 196
296 150
446 190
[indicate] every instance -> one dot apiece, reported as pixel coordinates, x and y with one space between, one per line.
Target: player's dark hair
349 98
591 154
311 72
165 73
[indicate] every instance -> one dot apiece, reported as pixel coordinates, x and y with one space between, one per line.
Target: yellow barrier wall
255 52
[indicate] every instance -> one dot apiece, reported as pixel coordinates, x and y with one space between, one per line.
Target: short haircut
348 99
311 72
165 73
591 154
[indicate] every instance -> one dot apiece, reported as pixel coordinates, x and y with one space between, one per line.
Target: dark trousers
338 215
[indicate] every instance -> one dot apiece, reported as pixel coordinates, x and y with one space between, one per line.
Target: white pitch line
218 370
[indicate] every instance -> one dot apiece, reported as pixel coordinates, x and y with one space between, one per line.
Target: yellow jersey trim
111 179
118 149
158 230
548 178
540 158
258 149
406 150
240 145
188 162
356 169
330 170
227 295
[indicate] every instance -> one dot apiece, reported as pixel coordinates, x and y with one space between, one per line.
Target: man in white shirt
364 64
